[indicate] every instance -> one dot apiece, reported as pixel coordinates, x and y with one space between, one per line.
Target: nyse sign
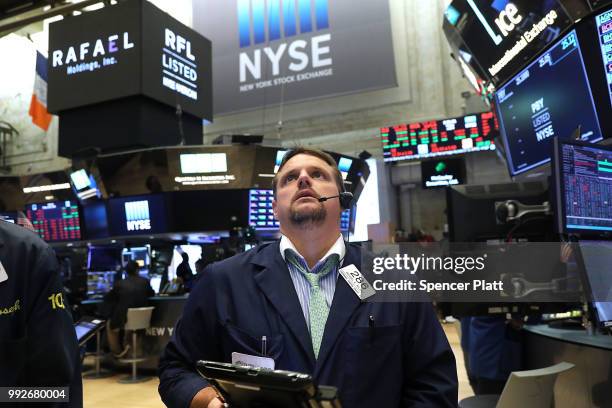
303 59
272 51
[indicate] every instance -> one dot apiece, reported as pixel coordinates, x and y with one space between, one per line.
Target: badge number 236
57 301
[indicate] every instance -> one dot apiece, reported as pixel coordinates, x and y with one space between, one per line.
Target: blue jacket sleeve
431 372
194 338
53 355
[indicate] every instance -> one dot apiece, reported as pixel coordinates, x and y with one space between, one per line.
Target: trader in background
290 295
184 272
133 291
38 344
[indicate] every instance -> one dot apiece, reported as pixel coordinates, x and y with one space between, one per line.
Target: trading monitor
550 98
261 215
55 221
433 138
582 175
103 258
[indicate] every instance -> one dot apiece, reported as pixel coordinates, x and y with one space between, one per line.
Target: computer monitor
550 98
95 219
434 138
261 215
56 221
103 258
595 258
582 175
84 185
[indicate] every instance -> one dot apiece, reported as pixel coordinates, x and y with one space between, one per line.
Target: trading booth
546 69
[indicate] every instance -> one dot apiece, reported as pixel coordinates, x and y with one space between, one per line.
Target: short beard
308 219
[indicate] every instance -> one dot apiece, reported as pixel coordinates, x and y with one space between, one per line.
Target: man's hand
206 398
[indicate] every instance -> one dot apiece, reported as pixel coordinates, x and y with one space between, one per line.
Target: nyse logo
506 21
264 21
137 216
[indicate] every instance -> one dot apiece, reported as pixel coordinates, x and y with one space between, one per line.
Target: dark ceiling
11 8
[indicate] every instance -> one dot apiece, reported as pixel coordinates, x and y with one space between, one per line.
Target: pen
264 345
371 327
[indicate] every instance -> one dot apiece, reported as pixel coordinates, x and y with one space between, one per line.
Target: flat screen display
503 35
604 33
443 173
55 221
583 174
439 137
95 57
550 98
95 220
261 215
199 163
137 215
127 49
103 258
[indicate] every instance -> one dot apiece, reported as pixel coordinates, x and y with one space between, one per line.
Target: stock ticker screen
439 137
55 221
604 30
261 215
586 178
550 98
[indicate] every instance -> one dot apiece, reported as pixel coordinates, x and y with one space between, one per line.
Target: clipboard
253 387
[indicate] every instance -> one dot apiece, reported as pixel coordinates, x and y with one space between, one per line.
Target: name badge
3 275
253 361
357 282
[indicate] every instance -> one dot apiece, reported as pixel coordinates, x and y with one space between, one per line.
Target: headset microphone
345 199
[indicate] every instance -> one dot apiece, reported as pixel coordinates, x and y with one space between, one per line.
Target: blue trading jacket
402 361
38 345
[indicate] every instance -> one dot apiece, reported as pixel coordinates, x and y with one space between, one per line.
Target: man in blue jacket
377 354
38 344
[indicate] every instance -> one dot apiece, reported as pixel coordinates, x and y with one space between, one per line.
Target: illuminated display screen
503 35
586 187
137 215
437 138
443 173
131 48
536 106
55 221
261 215
203 163
604 29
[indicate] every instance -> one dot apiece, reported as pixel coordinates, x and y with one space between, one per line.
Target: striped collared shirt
301 284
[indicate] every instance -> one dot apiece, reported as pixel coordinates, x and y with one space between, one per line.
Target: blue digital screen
586 185
95 220
261 215
138 215
550 98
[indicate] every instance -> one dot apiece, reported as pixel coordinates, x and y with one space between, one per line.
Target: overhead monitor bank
128 49
502 36
534 107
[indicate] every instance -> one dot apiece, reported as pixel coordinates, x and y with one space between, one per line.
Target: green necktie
317 306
